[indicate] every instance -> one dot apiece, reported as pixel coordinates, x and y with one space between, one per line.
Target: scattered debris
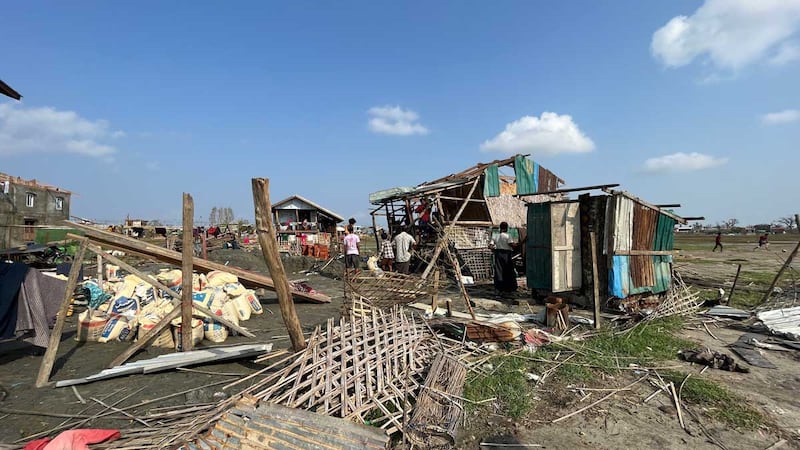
713 359
746 348
173 361
438 409
783 322
249 424
727 311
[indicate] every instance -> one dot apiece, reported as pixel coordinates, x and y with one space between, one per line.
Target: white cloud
48 130
777 118
682 162
549 134
732 34
395 120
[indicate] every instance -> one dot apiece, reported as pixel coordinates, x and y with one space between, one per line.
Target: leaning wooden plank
55 337
187 359
247 278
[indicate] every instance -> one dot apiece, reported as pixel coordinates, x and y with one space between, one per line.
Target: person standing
351 246
387 253
763 242
505 277
403 243
718 243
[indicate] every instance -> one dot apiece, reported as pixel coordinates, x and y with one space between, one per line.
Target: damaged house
304 227
466 207
27 205
633 243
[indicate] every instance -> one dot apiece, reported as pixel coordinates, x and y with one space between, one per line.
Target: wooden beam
478 200
595 279
186 268
670 205
269 247
247 278
644 252
459 280
735 280
780 272
149 336
46 368
576 189
694 218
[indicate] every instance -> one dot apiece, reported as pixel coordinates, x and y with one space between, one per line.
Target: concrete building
26 205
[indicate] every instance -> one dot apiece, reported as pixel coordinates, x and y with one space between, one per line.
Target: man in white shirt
403 243
505 277
351 245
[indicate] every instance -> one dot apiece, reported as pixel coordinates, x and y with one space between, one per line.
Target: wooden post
55 336
435 299
457 270
186 287
375 232
780 272
269 247
735 280
100 270
595 280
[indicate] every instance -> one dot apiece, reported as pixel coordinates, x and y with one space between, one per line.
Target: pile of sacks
132 307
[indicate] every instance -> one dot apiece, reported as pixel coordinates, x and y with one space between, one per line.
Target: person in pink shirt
351 246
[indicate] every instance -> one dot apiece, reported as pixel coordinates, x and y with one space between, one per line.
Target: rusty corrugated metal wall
644 231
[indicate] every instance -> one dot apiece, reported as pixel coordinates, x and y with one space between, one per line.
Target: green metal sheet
539 269
491 182
664 240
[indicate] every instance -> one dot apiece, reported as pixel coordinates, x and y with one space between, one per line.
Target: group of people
395 254
763 242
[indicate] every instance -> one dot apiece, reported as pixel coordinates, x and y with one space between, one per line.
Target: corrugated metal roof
783 322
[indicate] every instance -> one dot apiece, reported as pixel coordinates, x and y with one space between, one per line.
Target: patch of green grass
745 300
759 278
718 401
507 384
643 345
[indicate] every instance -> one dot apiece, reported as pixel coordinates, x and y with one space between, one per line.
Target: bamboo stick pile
439 406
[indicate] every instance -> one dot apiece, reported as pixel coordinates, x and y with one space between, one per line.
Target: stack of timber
133 246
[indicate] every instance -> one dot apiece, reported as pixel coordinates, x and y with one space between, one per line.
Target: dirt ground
622 421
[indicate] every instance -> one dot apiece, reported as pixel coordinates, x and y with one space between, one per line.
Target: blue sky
129 105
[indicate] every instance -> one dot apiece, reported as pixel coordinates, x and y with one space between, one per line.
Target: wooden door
566 240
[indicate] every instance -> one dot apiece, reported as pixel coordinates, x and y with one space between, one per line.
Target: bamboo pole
443 241
735 280
186 288
780 272
435 299
595 279
100 270
55 336
269 247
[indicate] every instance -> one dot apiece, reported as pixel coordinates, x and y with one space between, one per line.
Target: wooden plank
595 279
645 252
46 368
247 278
269 247
565 239
476 200
577 189
186 267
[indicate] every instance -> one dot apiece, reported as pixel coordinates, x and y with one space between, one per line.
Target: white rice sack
124 306
242 307
214 332
90 329
118 328
252 300
218 278
197 331
234 289
171 278
164 339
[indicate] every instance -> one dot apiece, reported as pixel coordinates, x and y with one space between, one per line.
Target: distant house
289 216
26 205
